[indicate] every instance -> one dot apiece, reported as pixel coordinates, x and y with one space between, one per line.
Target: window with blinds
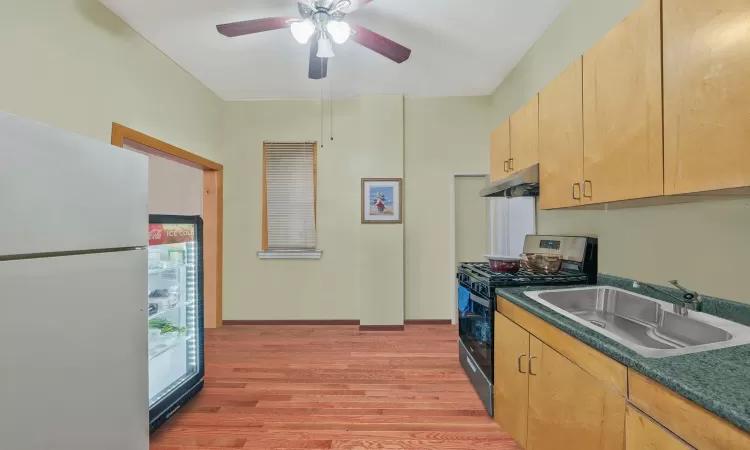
289 195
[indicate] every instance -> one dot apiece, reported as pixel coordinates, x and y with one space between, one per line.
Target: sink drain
598 324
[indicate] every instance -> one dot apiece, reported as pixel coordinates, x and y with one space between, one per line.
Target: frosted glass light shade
302 31
325 48
339 31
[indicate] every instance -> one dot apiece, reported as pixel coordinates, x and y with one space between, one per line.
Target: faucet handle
689 295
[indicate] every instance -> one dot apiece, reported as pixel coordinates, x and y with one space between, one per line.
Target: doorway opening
470 232
196 172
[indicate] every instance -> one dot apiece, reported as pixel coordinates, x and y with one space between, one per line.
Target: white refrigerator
73 275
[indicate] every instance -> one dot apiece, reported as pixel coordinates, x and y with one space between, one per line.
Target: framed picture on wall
382 200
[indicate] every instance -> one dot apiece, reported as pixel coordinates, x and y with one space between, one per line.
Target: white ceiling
459 47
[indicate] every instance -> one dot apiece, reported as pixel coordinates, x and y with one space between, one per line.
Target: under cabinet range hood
521 184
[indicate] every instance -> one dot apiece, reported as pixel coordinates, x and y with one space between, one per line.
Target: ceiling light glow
302 31
325 48
339 31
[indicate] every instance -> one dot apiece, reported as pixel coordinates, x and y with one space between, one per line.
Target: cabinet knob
520 370
510 164
574 191
531 372
505 166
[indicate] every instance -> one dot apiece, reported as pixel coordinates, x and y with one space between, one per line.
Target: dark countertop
718 380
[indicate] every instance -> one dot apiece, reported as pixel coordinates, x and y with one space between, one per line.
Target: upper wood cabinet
524 136
642 433
511 379
622 111
706 95
500 152
568 407
561 139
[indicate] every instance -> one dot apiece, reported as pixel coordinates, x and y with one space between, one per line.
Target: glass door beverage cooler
175 314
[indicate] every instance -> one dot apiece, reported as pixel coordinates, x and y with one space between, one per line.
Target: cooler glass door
175 321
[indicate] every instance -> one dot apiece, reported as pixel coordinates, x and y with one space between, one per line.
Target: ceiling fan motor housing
321 18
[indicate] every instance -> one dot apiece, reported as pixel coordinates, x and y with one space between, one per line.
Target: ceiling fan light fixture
325 48
339 31
302 31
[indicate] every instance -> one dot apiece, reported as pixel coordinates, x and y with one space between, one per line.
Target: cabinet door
524 136
622 110
511 379
568 407
706 95
642 433
500 151
561 139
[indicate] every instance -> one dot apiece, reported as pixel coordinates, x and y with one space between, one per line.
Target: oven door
476 328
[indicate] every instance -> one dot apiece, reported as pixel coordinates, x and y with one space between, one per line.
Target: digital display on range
552 245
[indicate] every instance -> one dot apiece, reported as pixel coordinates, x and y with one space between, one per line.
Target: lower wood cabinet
691 422
545 401
512 390
568 407
642 433
553 392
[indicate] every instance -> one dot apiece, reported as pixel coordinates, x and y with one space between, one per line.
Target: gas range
477 288
481 279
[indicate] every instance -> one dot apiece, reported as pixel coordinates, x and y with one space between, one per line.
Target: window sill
290 254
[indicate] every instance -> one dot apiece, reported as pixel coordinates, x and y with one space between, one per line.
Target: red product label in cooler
159 234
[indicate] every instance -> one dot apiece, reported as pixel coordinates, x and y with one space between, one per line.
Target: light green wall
472 219
74 65
704 245
444 136
360 275
381 246
292 289
379 274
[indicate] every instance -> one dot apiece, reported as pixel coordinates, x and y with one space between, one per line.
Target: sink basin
647 326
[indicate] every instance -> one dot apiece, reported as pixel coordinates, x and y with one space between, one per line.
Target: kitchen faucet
690 300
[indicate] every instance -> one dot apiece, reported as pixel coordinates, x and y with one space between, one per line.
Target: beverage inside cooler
174 315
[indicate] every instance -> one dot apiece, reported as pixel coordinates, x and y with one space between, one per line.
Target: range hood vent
521 184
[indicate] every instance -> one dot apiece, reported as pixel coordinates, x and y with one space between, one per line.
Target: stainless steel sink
648 326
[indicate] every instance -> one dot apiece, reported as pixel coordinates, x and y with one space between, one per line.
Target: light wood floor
322 387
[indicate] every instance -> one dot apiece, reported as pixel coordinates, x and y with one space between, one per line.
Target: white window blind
290 195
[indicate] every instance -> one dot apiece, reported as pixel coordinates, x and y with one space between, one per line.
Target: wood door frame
213 209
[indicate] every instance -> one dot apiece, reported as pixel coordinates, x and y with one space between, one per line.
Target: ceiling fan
323 21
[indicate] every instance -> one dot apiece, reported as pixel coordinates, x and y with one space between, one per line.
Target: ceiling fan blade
380 44
253 26
318 66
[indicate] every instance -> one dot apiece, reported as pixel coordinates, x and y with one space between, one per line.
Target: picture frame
382 200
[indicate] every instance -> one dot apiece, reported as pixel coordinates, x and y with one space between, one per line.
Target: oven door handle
480 300
474 316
